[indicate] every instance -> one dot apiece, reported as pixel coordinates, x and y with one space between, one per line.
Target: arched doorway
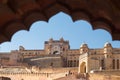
56 52
83 67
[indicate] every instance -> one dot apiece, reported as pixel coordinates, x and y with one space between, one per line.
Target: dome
61 39
83 45
51 39
107 44
21 48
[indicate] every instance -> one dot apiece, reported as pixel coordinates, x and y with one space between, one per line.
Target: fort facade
58 60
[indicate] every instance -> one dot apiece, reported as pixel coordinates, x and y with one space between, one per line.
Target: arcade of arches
16 15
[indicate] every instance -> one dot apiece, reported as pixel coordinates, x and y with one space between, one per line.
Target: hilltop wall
33 76
44 74
105 75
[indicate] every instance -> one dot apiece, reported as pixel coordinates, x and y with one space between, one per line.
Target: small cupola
83 45
51 40
107 44
107 47
62 39
21 48
84 48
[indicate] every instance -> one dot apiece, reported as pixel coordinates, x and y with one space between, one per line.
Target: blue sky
60 25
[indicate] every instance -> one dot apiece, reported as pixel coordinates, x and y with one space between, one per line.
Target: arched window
77 63
102 64
55 52
74 63
113 63
67 63
71 63
51 64
63 49
118 64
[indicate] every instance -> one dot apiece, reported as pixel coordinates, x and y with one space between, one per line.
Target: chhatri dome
61 39
84 45
107 44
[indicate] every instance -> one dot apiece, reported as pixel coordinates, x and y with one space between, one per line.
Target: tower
83 59
108 55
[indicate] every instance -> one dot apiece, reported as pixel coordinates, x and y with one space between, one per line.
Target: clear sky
60 25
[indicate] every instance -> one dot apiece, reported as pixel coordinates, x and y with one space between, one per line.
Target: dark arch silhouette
55 52
18 15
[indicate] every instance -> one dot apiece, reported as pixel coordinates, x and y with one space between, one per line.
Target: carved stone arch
10 29
78 15
83 67
101 25
56 8
32 17
100 13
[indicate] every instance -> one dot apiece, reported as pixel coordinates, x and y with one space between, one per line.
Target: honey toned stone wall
43 74
26 76
105 75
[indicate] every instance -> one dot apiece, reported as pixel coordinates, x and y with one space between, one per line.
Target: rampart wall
105 75
44 74
33 76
